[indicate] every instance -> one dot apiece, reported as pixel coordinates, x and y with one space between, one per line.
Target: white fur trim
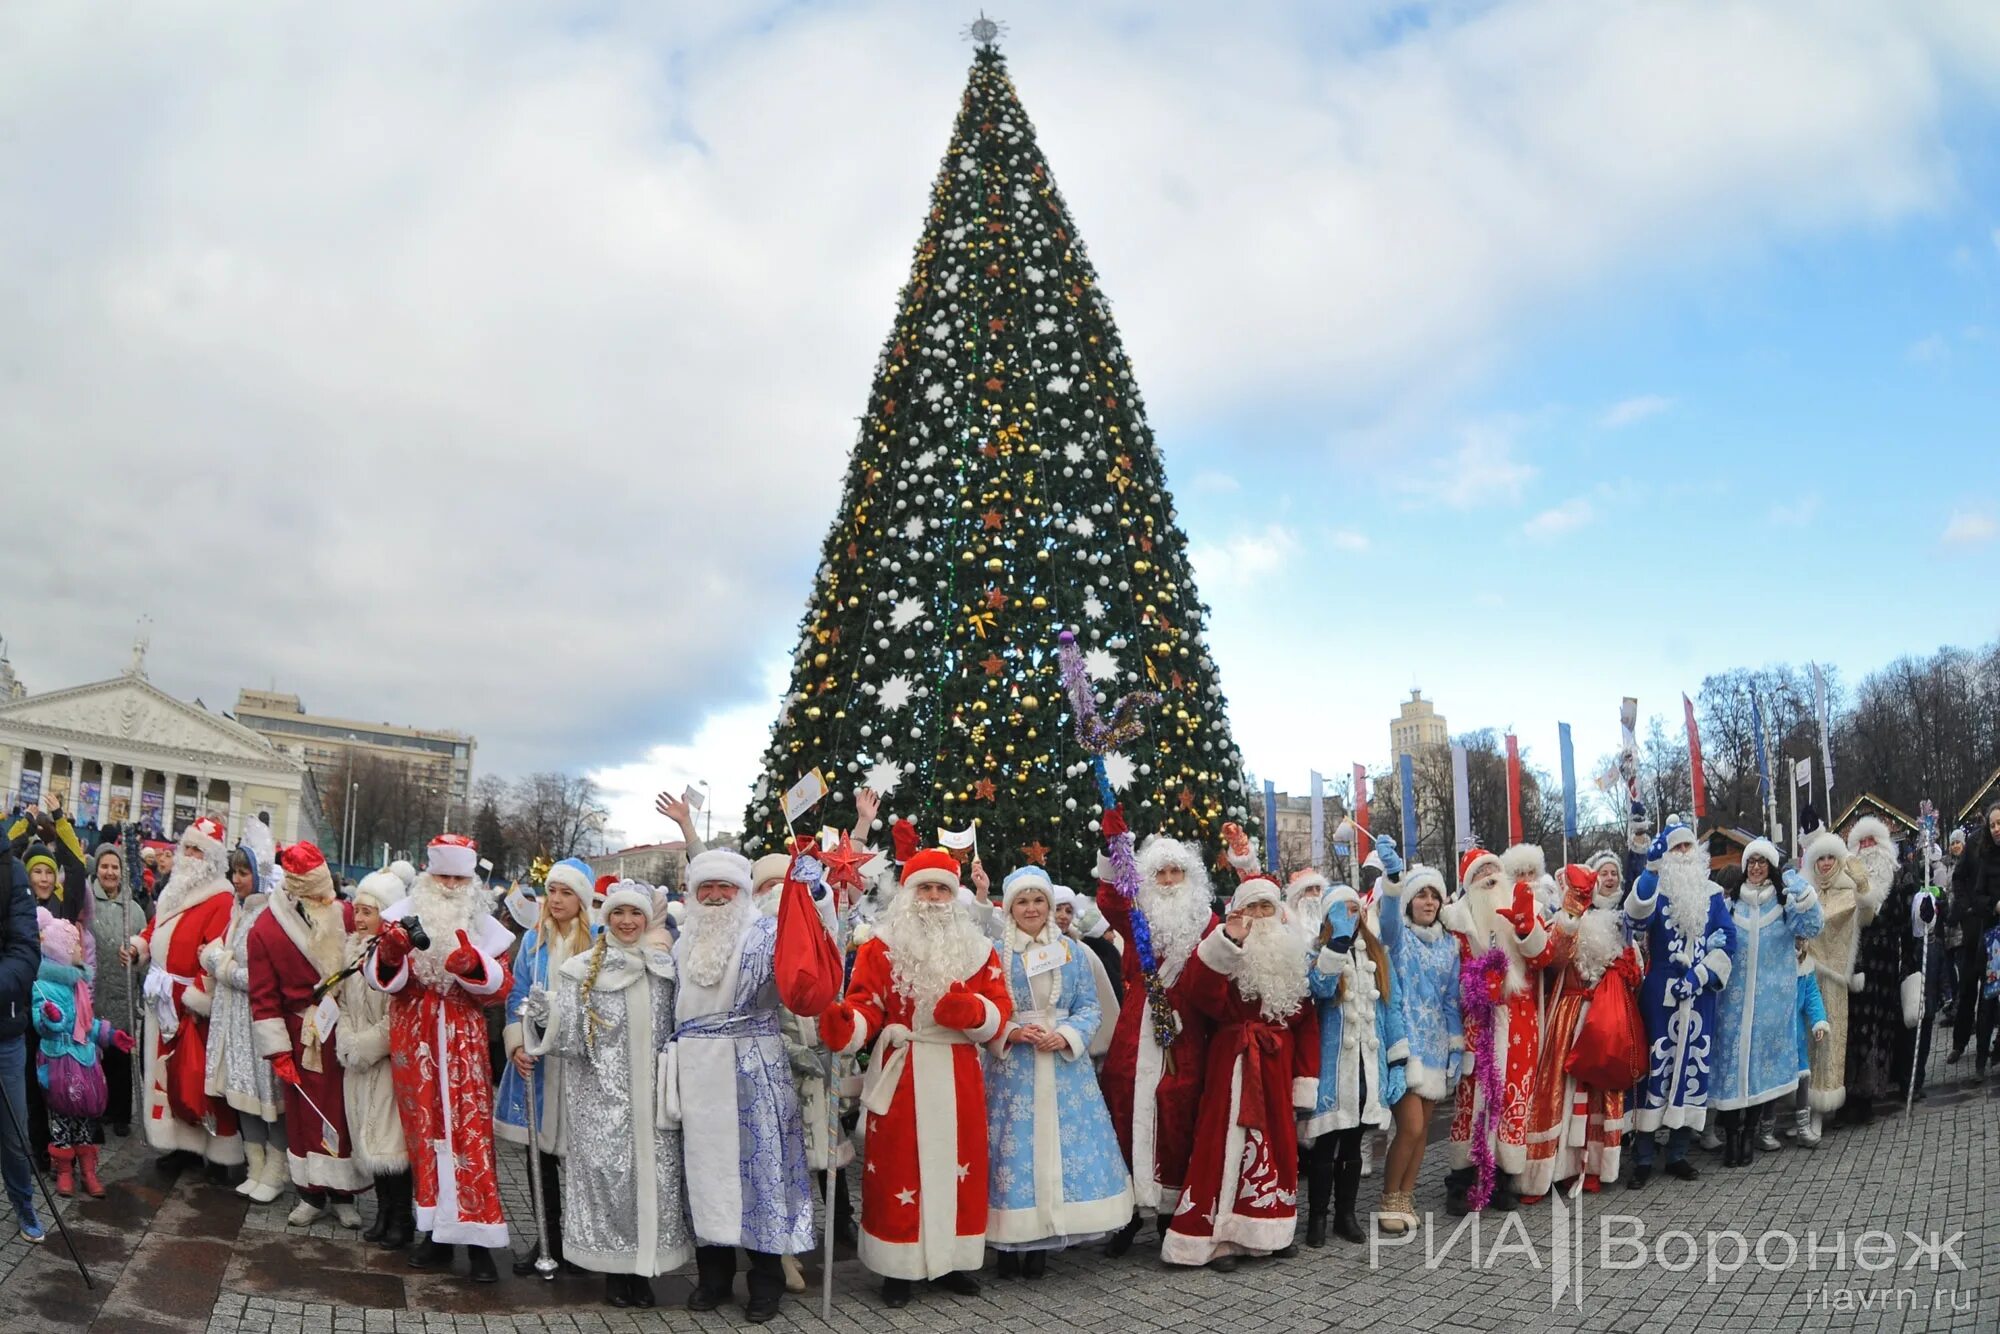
568 877
269 1038
1524 861
451 859
1765 848
1867 826
380 888
938 876
988 1026
1305 1092
721 864
197 999
1825 843
1220 953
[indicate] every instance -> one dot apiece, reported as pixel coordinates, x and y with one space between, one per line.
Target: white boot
1710 1140
271 1182
1809 1134
795 1277
253 1155
304 1215
345 1214
1367 1157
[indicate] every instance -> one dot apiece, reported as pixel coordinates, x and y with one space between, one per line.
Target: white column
104 768
132 811
15 756
48 764
168 794
291 817
235 808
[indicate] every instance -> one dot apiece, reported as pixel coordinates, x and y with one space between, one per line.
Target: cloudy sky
492 365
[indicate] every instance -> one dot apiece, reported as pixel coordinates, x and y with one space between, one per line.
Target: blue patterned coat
1812 1011
1425 991
533 967
1361 1044
1757 1025
1055 1176
1680 1035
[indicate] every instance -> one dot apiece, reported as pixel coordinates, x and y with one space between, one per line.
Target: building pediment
131 714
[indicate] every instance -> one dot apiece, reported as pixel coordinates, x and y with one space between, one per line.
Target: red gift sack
1610 1049
807 962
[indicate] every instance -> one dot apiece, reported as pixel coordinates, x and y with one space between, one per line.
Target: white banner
804 795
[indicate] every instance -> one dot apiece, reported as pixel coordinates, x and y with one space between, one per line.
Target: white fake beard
192 874
1685 887
1176 917
328 935
710 933
1274 969
1600 939
931 946
1306 918
767 900
444 912
1880 862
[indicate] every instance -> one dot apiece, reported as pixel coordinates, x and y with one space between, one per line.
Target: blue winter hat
574 874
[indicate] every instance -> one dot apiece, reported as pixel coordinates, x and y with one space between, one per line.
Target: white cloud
1557 520
1346 539
1996 238
1483 470
1243 559
1628 411
423 358
1932 347
1216 483
1797 512
1969 529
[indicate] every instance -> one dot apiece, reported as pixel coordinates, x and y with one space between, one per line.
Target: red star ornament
1036 852
983 789
843 864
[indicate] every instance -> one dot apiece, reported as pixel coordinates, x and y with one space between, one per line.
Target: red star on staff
983 789
843 864
991 662
1036 852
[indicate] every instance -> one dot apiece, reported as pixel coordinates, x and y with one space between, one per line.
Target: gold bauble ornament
1030 702
819 659
1038 602
995 565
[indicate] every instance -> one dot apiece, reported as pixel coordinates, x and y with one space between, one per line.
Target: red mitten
51 1012
123 1041
904 835
836 1026
960 1008
1113 823
465 961
283 1068
393 946
1521 913
1580 878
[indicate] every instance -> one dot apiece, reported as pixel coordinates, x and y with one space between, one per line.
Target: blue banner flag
1569 781
1318 852
1409 807
1270 826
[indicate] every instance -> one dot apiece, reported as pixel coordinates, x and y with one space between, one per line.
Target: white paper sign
523 909
804 795
955 839
692 798
1043 958
326 1016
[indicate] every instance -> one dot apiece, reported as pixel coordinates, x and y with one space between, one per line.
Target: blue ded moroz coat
1680 1035
1757 1026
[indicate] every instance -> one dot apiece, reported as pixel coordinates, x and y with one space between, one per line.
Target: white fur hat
634 894
1825 843
1524 861
771 866
1765 848
1421 877
380 889
403 871
724 864
1870 826
1257 889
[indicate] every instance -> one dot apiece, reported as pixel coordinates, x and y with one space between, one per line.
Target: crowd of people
1012 1067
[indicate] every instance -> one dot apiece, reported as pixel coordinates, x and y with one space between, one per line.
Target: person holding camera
443 962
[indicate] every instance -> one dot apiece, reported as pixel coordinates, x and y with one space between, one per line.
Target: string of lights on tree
1004 487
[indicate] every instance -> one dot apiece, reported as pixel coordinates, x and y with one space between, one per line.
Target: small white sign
1043 958
326 1016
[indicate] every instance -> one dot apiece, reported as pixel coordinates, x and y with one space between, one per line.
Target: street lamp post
708 813
348 827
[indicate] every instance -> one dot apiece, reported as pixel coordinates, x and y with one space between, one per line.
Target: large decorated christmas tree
1004 487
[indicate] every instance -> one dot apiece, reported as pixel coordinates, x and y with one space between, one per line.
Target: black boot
428 1254
615 1293
1320 1171
1346 1190
402 1229
1034 1265
767 1287
380 1225
1458 1185
1121 1240
895 1293
844 1231
479 1265
640 1289
958 1281
1008 1265
715 1276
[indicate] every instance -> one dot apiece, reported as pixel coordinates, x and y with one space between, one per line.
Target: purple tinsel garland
1096 736
1477 977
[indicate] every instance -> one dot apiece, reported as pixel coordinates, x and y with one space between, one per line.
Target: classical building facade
124 747
1417 726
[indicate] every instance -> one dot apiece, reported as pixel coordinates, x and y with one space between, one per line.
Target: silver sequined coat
235 1072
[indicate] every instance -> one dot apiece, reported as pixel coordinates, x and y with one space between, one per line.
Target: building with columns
116 748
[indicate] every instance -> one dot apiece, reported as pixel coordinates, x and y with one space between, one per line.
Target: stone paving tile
1927 1174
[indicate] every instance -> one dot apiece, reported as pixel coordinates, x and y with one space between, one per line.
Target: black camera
413 927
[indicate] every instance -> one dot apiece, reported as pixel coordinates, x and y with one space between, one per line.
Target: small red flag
1513 790
1694 760
1361 797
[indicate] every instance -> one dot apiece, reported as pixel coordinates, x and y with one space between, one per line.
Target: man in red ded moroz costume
926 990
437 1049
1498 922
191 912
298 940
1249 981
1151 1087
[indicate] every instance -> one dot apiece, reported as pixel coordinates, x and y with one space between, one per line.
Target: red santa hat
206 834
1473 863
932 866
452 854
306 876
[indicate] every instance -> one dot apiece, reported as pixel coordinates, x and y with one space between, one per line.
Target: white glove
1857 982
535 1007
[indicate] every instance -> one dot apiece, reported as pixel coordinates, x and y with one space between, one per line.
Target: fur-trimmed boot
253 1168
86 1164
64 1161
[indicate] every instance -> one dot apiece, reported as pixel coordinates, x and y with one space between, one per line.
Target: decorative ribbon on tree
1097 735
1480 979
